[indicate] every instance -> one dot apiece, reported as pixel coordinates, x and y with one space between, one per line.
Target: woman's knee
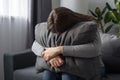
48 75
66 76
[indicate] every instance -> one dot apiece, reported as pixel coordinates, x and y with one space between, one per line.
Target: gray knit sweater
81 46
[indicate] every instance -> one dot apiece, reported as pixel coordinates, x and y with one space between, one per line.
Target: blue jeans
103 72
48 75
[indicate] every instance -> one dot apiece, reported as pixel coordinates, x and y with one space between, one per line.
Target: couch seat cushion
113 77
27 74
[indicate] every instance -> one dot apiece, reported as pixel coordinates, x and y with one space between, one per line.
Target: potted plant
99 15
113 14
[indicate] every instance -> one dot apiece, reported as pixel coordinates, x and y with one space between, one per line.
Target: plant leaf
108 28
93 13
107 17
98 11
115 1
114 10
108 6
103 11
117 5
114 21
113 16
116 17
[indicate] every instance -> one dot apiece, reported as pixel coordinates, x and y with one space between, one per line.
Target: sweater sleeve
40 38
37 48
84 50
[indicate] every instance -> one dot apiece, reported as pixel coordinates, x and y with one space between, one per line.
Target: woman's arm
37 48
84 50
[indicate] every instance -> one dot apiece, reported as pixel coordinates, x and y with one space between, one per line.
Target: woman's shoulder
84 26
41 26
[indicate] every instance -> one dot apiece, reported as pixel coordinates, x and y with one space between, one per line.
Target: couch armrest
17 60
111 56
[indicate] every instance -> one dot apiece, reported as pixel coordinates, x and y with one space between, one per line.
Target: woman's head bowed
62 19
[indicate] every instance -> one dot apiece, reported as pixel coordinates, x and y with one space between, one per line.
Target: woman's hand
56 61
50 53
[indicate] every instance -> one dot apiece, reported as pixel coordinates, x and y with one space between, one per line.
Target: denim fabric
103 72
48 75
66 76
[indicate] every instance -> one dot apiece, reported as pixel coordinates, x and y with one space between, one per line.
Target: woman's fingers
53 63
52 52
56 62
46 56
42 54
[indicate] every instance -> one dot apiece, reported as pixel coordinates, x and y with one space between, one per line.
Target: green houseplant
99 15
113 14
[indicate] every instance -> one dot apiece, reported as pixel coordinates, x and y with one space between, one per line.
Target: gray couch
20 65
111 58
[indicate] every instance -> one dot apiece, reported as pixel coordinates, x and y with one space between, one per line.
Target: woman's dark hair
61 19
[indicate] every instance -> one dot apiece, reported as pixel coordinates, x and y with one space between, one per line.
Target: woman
69 45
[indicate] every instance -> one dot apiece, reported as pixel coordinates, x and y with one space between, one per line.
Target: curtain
15 29
17 22
40 10
14 24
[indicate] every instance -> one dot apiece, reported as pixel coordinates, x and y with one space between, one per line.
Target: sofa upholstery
111 58
20 65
